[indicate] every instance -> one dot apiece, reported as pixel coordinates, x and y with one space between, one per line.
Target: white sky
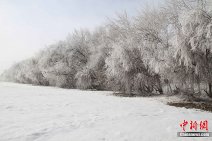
26 26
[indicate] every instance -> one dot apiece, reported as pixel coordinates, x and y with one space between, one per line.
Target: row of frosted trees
168 47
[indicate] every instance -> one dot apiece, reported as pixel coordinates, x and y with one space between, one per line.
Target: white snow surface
33 113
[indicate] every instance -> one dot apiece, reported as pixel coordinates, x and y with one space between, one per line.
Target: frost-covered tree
194 45
93 74
60 62
27 72
125 65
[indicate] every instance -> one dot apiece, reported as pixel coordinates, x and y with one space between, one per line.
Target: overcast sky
26 26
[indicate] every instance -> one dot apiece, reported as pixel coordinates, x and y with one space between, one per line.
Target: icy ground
31 113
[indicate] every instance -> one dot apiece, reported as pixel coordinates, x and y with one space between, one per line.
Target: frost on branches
160 51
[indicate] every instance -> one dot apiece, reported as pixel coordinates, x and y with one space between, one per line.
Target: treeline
168 46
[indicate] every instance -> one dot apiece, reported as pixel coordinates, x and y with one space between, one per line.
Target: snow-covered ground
32 113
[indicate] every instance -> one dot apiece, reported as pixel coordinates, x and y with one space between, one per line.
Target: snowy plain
33 113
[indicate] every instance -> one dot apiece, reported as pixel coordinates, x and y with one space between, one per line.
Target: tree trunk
170 88
192 83
199 88
192 88
210 90
209 71
199 84
128 85
160 89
